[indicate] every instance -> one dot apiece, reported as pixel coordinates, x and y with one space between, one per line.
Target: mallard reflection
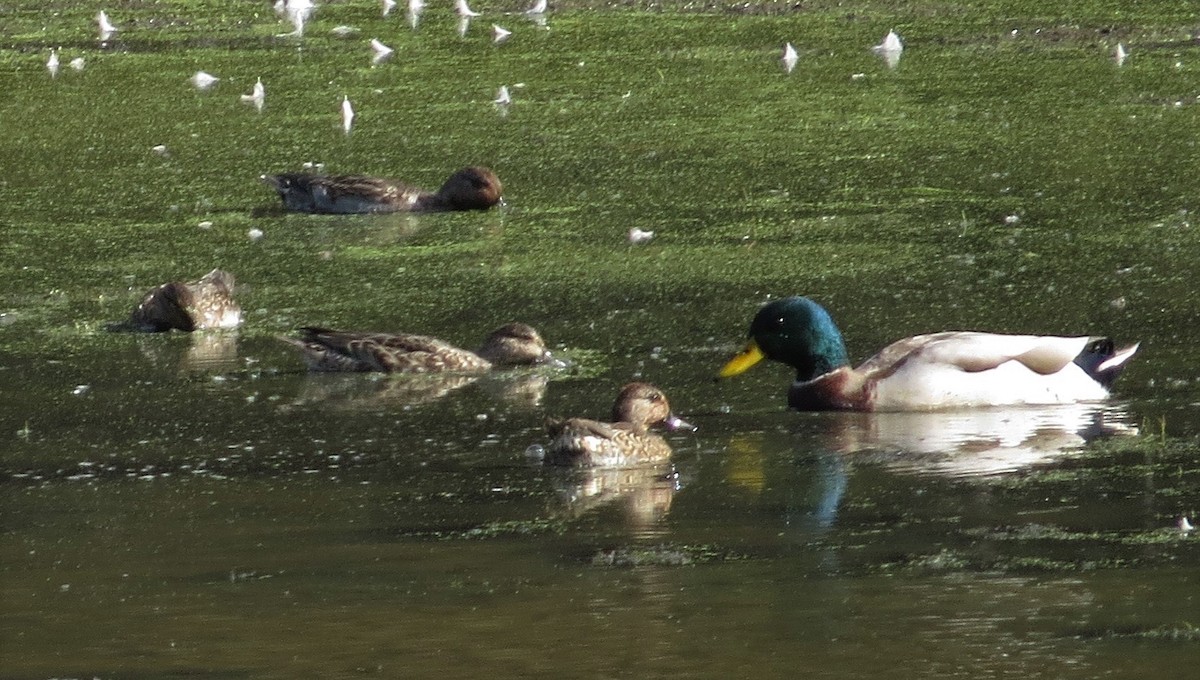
975 442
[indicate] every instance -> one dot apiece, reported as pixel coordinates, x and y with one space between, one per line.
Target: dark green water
197 506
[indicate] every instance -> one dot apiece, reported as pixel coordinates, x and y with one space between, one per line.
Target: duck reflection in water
644 493
521 390
198 353
973 442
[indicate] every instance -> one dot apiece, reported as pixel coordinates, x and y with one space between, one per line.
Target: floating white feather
890 49
789 57
258 96
106 27
203 81
381 52
347 114
52 63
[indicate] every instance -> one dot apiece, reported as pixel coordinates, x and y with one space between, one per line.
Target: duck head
515 344
795 331
472 188
644 405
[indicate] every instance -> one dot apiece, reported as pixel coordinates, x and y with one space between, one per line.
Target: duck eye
775 324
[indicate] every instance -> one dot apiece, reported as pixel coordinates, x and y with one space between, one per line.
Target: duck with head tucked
471 188
187 306
957 369
513 344
625 441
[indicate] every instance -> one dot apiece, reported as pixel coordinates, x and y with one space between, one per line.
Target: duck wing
974 352
342 194
326 349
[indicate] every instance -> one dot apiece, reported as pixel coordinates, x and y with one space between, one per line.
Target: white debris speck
255 234
206 224
637 236
81 389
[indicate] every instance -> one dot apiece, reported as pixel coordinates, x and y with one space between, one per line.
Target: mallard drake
192 306
514 344
472 188
955 369
626 440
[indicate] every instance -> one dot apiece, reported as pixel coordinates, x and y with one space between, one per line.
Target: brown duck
625 441
187 306
471 188
514 344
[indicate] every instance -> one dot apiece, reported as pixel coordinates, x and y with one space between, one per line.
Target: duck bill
674 422
743 361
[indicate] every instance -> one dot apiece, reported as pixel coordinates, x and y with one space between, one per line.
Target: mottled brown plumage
626 440
198 305
471 188
513 344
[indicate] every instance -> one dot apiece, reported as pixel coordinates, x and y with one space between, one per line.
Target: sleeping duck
956 369
472 188
187 306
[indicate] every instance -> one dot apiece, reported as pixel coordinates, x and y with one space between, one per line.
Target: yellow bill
744 360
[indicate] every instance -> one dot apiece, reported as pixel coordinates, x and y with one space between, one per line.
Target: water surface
197 505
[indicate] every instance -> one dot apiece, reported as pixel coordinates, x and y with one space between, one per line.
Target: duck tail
1103 362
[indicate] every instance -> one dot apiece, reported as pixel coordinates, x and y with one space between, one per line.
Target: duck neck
826 353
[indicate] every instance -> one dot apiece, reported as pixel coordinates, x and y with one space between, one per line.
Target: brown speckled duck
471 188
192 306
625 441
514 344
